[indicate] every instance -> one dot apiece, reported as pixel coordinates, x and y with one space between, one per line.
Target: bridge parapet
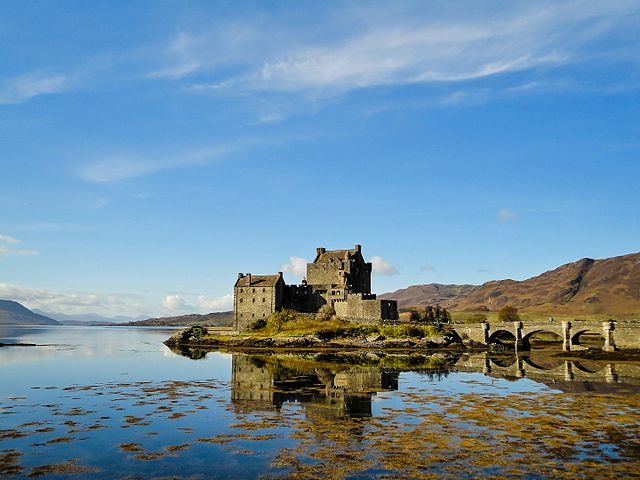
616 335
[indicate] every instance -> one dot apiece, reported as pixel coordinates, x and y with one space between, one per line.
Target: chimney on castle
240 275
249 275
320 250
358 248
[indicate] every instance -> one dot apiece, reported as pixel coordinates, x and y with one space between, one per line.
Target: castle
340 278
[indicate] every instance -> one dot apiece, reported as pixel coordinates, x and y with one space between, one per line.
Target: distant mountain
13 313
89 318
218 319
430 294
610 286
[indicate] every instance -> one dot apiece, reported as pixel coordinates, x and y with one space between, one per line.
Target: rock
439 341
375 338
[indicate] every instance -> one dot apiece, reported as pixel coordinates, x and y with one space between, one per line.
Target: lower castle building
340 278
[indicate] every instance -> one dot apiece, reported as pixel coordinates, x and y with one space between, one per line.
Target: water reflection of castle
263 382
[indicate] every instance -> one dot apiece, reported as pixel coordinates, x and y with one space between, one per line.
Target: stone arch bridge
617 335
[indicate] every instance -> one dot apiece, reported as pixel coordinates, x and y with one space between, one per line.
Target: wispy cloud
413 46
383 267
8 249
506 215
24 87
8 239
115 168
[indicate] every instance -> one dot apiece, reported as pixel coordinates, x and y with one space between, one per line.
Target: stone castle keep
340 278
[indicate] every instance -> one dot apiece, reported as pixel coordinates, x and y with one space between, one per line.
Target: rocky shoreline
196 337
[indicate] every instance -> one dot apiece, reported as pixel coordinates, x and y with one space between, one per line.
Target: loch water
114 402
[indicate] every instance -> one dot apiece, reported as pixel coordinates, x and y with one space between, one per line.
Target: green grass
289 324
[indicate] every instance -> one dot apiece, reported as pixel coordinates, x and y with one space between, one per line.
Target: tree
429 315
414 316
508 313
445 316
278 319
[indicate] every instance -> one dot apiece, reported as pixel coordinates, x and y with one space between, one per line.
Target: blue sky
149 151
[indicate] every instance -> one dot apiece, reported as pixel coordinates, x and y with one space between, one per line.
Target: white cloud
7 250
116 168
296 266
427 268
113 304
175 303
392 45
70 303
506 215
220 304
382 267
8 239
24 87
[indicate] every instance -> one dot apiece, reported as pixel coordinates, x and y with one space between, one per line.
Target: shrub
258 324
508 313
414 316
477 318
278 319
326 312
417 331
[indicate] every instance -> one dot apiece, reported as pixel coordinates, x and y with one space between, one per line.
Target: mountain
13 313
89 318
218 319
430 294
588 286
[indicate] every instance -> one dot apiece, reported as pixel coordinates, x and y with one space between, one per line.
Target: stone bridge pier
615 336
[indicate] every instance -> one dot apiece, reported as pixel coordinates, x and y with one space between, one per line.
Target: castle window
254 290
253 315
264 300
240 290
240 300
253 300
264 290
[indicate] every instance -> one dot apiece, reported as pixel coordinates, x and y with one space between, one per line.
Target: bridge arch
592 337
502 337
545 365
589 367
526 339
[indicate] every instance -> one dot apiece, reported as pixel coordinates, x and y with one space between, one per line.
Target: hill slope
13 313
430 294
588 286
218 319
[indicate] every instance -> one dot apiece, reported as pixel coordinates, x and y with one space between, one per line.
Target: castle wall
366 308
254 303
326 273
338 277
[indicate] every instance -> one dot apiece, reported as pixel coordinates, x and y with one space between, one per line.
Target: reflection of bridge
616 335
547 368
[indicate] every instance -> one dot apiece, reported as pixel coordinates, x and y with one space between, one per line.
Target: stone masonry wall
253 303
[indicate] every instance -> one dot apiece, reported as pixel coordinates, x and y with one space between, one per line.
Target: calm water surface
114 402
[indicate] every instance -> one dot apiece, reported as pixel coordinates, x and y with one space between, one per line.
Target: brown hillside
430 294
609 286
217 319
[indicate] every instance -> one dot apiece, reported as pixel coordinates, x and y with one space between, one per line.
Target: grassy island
288 329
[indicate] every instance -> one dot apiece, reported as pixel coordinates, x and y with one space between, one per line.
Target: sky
151 150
